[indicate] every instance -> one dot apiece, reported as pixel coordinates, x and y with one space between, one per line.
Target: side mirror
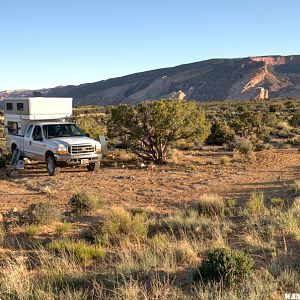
87 134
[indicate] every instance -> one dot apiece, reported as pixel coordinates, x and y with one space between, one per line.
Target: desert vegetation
209 210
209 248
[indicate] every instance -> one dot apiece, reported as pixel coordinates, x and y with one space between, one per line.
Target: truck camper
39 128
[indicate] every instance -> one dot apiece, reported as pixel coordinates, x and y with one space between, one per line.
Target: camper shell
19 112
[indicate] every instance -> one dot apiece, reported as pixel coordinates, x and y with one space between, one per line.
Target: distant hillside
215 79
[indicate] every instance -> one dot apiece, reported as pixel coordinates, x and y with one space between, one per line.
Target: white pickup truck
37 128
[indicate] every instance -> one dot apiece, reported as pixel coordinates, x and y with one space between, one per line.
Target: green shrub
220 134
243 145
227 265
2 162
151 127
276 107
295 120
256 203
290 105
120 225
41 214
209 204
80 249
85 201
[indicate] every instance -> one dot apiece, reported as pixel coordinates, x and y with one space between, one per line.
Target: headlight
98 148
61 149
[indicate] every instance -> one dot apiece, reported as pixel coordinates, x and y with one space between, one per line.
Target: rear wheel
94 167
51 165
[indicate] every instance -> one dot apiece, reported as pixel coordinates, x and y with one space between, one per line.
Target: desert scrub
84 201
41 214
227 265
161 252
80 249
243 145
209 204
256 204
119 225
220 134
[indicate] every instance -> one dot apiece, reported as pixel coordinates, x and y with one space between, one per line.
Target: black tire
94 167
51 165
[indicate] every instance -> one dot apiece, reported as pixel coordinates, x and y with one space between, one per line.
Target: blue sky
45 43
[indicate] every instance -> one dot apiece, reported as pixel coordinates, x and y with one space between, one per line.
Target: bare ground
159 188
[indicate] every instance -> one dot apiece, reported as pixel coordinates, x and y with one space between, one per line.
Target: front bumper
77 159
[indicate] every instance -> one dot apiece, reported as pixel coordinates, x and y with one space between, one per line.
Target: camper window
20 107
12 127
9 106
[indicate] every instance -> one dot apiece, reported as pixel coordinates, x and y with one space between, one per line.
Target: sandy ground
161 188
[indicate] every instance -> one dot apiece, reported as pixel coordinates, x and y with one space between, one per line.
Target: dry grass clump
32 230
225 160
174 155
54 278
256 204
296 203
124 156
41 214
290 223
84 201
79 249
63 228
277 203
120 225
209 204
297 187
182 221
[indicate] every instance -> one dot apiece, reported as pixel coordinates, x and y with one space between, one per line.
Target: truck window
20 106
37 134
9 106
12 127
29 130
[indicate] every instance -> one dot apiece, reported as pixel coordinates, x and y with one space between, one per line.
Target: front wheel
94 167
51 165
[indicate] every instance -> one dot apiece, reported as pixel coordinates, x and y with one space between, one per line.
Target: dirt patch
160 188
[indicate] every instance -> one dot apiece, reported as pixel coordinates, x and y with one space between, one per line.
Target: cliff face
216 79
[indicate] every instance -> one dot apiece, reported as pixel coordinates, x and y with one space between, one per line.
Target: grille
82 149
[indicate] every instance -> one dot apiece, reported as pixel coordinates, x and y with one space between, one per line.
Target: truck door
38 145
27 147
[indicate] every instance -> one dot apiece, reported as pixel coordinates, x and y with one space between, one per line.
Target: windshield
61 130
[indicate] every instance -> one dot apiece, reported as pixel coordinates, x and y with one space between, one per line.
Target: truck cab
41 131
